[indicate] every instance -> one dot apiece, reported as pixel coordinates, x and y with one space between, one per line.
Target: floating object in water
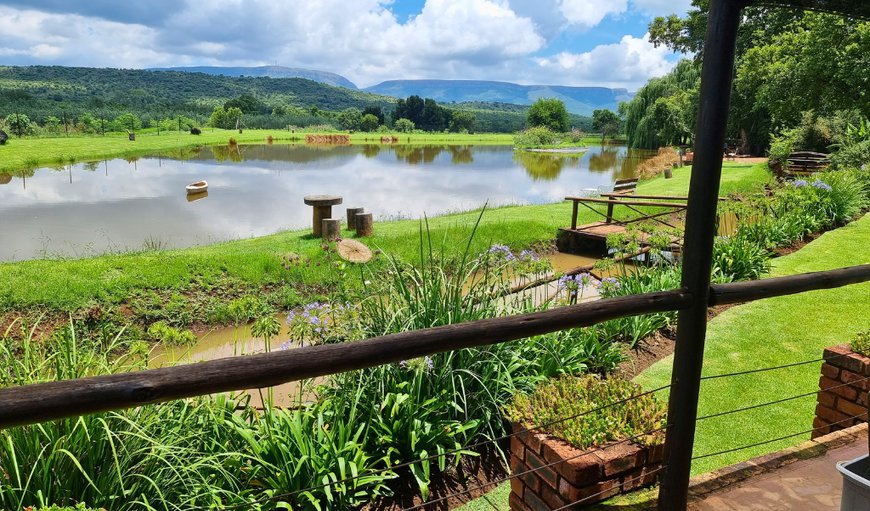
198 187
354 251
192 197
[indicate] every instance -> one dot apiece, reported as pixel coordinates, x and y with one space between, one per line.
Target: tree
127 122
404 125
224 119
369 123
550 113
663 111
350 118
461 121
376 111
247 103
605 122
19 124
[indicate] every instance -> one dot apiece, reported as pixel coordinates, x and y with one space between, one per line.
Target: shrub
595 424
737 258
535 137
632 330
162 332
853 156
861 343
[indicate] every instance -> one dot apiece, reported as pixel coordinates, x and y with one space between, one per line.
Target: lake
128 204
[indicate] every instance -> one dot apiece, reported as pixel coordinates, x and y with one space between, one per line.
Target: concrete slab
806 485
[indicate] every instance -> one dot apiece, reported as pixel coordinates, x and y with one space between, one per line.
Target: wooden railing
35 403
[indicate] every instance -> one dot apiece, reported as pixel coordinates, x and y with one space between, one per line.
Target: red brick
517 447
575 468
532 439
517 464
829 385
829 415
547 474
827 399
656 453
535 503
552 498
861 382
830 371
517 487
585 494
618 458
835 355
516 504
852 409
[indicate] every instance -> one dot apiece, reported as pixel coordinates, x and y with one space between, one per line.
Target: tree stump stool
351 217
331 228
364 224
322 209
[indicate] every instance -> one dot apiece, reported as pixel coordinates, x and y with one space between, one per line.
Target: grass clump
571 396
163 333
861 343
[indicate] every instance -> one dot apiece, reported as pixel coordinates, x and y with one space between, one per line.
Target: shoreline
554 150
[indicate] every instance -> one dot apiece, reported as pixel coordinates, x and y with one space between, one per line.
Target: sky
554 42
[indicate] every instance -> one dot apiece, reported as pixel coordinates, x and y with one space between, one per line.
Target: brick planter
847 376
565 475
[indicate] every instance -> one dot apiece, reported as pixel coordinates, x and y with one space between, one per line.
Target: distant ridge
578 100
270 71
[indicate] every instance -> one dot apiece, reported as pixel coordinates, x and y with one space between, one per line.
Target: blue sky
560 42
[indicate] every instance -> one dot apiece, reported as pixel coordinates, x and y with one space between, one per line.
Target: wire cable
448 453
708 455
783 400
588 497
774 368
519 474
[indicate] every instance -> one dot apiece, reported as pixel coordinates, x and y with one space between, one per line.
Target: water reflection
85 209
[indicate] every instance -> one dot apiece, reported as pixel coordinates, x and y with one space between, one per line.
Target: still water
129 204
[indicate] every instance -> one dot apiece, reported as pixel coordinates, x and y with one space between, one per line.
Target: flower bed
605 451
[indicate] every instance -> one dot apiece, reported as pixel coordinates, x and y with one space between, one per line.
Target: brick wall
846 375
615 469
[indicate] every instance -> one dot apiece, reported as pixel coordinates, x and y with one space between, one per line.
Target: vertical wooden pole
574 216
609 217
716 78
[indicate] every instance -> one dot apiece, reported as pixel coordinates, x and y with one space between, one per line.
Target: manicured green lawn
773 332
28 153
68 285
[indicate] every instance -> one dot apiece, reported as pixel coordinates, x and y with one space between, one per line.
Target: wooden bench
624 186
806 162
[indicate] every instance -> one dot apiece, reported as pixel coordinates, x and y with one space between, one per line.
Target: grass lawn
30 153
71 284
772 332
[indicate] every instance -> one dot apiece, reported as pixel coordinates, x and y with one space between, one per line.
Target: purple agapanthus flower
799 183
821 185
499 250
429 363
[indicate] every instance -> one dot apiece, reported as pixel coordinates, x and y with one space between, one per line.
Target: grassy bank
253 264
28 153
769 333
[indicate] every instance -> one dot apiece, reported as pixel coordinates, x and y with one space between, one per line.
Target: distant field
29 153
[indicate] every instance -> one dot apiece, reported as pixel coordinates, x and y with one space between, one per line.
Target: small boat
198 187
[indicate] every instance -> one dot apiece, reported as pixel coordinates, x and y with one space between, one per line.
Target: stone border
704 484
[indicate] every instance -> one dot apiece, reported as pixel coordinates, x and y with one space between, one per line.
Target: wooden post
364 224
574 216
331 228
609 217
669 173
351 217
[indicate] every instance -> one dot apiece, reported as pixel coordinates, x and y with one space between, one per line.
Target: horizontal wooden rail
629 202
635 196
779 286
45 401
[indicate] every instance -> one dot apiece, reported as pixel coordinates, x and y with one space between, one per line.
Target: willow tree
662 111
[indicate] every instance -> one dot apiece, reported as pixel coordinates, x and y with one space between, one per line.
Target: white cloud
361 39
629 63
588 13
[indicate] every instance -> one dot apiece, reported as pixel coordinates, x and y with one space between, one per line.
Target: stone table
322 209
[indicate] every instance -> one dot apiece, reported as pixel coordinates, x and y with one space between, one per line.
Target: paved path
806 485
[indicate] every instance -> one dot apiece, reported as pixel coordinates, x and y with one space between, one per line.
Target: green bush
163 333
854 156
736 258
861 343
536 136
633 329
587 398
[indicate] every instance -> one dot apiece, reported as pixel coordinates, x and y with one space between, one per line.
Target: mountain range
578 100
270 71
